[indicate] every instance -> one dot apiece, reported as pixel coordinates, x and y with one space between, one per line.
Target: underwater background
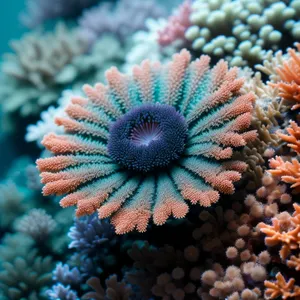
150 149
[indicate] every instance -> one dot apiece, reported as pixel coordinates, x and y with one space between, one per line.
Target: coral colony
173 130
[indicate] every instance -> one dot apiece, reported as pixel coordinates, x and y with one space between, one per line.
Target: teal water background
9 20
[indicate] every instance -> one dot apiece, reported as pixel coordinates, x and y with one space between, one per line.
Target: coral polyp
143 144
148 136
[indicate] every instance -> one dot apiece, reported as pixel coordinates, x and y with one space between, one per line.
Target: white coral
35 133
145 45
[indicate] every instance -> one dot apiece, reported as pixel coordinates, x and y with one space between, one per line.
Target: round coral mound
144 143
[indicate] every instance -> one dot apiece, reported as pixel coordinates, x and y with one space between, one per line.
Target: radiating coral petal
209 150
99 189
137 212
79 112
72 126
60 162
118 84
193 189
66 181
168 201
98 95
176 72
212 174
118 198
198 69
143 75
60 144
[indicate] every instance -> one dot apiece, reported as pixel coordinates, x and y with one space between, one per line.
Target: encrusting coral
144 143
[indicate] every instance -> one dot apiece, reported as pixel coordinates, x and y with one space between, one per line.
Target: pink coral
176 26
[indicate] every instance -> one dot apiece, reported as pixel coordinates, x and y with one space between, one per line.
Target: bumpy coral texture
38 71
217 118
177 25
243 31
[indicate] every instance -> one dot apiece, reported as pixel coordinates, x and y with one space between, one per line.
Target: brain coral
243 30
144 143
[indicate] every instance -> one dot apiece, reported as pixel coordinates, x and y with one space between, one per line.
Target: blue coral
147 137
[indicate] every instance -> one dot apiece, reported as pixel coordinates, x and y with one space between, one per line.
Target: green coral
41 67
243 31
23 274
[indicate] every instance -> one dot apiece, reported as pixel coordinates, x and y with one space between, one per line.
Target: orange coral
293 139
289 172
285 231
289 87
282 288
294 262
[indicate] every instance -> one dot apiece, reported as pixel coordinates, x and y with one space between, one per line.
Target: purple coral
122 20
39 11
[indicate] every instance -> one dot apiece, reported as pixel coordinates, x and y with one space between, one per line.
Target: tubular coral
207 100
287 171
289 73
176 26
282 288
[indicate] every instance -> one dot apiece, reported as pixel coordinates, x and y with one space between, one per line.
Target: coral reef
142 41
120 20
177 25
191 88
39 69
135 131
243 31
39 11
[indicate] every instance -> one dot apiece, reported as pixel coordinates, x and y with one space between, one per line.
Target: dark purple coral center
147 137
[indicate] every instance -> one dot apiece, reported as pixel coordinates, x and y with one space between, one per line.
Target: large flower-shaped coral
144 143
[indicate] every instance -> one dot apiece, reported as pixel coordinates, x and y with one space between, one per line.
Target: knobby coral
243 31
144 143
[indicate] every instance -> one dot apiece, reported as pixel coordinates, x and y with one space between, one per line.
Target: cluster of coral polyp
144 143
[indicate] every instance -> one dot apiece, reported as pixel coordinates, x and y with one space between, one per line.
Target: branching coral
212 119
39 69
289 86
39 11
37 224
114 289
287 171
23 274
120 20
242 31
176 26
282 288
285 230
